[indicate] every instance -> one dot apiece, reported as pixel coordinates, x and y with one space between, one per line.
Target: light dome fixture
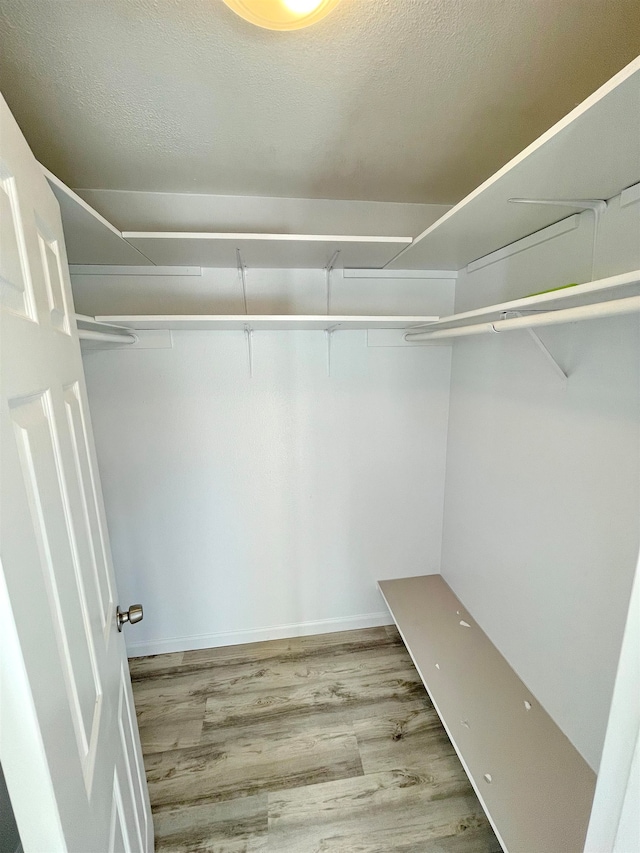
282 14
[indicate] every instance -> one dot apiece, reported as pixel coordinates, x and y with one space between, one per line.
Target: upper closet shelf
92 240
265 251
230 322
89 237
592 153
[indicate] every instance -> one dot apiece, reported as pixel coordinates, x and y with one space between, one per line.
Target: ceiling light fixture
282 14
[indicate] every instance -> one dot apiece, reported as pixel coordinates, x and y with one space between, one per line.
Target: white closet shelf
592 153
535 787
92 240
616 287
266 322
89 237
264 251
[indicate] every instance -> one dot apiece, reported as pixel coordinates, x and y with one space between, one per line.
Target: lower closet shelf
535 787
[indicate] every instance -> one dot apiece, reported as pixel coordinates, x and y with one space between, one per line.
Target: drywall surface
542 496
247 508
269 291
153 211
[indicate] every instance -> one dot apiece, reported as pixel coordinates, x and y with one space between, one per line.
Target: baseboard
274 632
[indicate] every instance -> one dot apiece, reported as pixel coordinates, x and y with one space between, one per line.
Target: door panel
42 473
133 770
95 559
56 560
119 837
15 280
53 278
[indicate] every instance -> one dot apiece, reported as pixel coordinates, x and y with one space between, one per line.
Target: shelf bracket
596 205
248 331
242 275
329 332
538 342
327 272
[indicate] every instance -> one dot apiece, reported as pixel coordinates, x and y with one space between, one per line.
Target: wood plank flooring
325 744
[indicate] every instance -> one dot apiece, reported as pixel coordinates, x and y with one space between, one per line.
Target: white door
69 742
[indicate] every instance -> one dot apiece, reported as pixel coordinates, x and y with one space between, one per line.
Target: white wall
542 489
154 211
219 291
243 508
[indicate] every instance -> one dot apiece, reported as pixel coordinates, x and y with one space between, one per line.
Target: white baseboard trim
274 632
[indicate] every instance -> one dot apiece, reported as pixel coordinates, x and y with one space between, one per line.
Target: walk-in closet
321 512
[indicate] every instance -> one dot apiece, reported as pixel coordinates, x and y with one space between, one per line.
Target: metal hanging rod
106 337
522 304
612 308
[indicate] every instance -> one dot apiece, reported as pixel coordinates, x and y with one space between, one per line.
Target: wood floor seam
325 744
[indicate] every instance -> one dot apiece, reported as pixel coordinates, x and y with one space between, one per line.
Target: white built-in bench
535 787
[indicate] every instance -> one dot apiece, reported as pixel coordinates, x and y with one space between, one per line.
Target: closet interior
310 432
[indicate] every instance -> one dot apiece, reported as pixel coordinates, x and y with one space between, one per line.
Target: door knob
133 614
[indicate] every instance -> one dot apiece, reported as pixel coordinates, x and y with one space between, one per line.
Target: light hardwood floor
324 744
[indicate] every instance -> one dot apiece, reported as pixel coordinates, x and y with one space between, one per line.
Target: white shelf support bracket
327 271
596 205
537 341
554 364
329 332
248 332
242 275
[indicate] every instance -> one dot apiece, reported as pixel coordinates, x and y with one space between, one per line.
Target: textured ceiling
391 100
